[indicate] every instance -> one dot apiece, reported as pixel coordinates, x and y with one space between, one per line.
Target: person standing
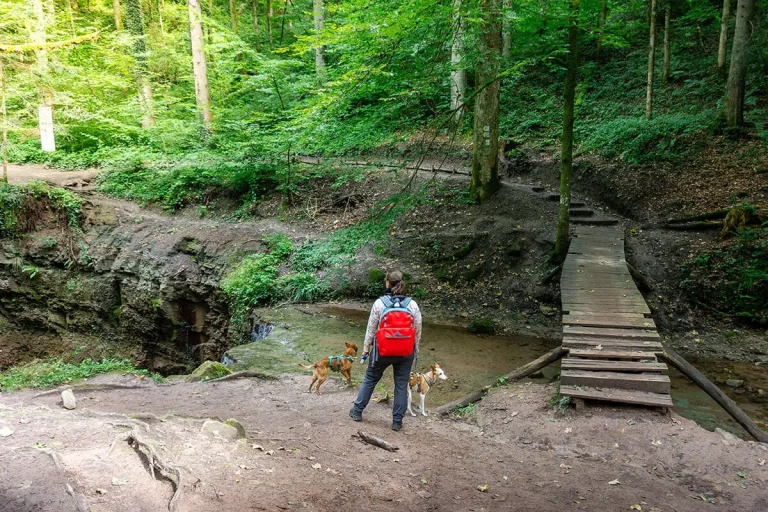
392 339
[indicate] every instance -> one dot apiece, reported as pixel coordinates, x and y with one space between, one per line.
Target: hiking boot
355 415
396 426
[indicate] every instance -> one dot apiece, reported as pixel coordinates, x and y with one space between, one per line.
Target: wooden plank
611 354
650 346
608 321
617 315
618 395
612 366
651 383
568 307
599 332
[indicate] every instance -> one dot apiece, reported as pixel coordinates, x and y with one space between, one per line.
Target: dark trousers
401 366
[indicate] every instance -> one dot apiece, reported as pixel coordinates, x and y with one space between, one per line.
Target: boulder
219 429
232 422
68 398
207 371
734 383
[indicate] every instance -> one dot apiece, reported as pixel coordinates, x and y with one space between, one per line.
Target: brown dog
341 364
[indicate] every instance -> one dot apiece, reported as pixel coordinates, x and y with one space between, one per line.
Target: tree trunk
118 15
566 151
676 360
485 155
319 13
74 5
45 116
199 66
4 115
134 24
651 64
737 75
506 33
255 5
601 30
723 46
667 21
270 14
233 15
458 73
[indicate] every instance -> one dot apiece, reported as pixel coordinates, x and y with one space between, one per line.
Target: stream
298 334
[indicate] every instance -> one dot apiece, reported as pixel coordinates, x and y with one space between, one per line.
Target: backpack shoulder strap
387 300
404 303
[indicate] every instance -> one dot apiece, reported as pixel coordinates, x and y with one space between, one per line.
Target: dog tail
307 367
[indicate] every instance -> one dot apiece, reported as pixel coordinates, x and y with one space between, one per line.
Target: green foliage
464 412
560 404
482 325
53 372
302 287
20 206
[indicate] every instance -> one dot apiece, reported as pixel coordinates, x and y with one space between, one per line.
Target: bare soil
512 443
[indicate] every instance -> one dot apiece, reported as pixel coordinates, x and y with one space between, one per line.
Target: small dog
422 383
341 364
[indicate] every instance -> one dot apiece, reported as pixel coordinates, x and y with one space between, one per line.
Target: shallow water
471 361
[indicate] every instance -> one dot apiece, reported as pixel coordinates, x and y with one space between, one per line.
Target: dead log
716 215
694 226
695 376
527 369
242 375
376 441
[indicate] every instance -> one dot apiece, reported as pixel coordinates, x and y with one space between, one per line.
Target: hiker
392 338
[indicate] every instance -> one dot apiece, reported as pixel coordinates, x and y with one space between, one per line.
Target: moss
376 276
463 251
482 325
209 370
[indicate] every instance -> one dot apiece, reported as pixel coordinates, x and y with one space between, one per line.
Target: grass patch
54 372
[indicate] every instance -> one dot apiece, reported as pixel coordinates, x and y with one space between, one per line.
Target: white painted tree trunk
4 119
458 73
319 12
45 115
722 49
199 65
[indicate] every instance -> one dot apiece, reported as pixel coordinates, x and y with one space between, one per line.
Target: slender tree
737 75
270 14
458 72
601 29
118 15
566 151
4 115
134 24
667 22
722 47
651 64
318 9
44 17
485 155
255 8
506 31
233 14
199 66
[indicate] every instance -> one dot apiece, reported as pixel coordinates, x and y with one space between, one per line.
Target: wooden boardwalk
611 340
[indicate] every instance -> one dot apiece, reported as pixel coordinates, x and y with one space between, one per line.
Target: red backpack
396 335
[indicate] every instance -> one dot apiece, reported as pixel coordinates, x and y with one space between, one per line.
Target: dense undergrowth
22 206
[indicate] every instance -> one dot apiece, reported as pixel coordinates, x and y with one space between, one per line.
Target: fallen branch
522 372
716 215
687 369
242 375
375 441
143 447
694 226
433 169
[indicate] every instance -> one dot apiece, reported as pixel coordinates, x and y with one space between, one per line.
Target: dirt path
27 172
529 460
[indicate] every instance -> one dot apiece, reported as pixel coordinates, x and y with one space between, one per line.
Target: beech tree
199 65
737 75
458 73
319 18
485 155
651 63
118 15
566 150
233 15
667 22
255 9
506 34
134 24
722 47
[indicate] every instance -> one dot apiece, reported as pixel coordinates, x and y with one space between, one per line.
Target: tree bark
485 154
458 73
722 48
118 15
651 64
270 14
45 95
566 151
318 9
667 35
199 65
233 15
601 30
506 33
134 24
520 373
737 75
4 120
717 395
255 6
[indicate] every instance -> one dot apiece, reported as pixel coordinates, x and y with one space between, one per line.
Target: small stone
734 383
547 310
5 432
219 429
68 397
232 422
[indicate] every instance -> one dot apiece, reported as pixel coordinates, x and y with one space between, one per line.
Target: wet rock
219 429
207 371
68 398
547 310
734 383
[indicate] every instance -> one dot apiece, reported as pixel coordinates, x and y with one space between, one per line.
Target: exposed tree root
136 440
